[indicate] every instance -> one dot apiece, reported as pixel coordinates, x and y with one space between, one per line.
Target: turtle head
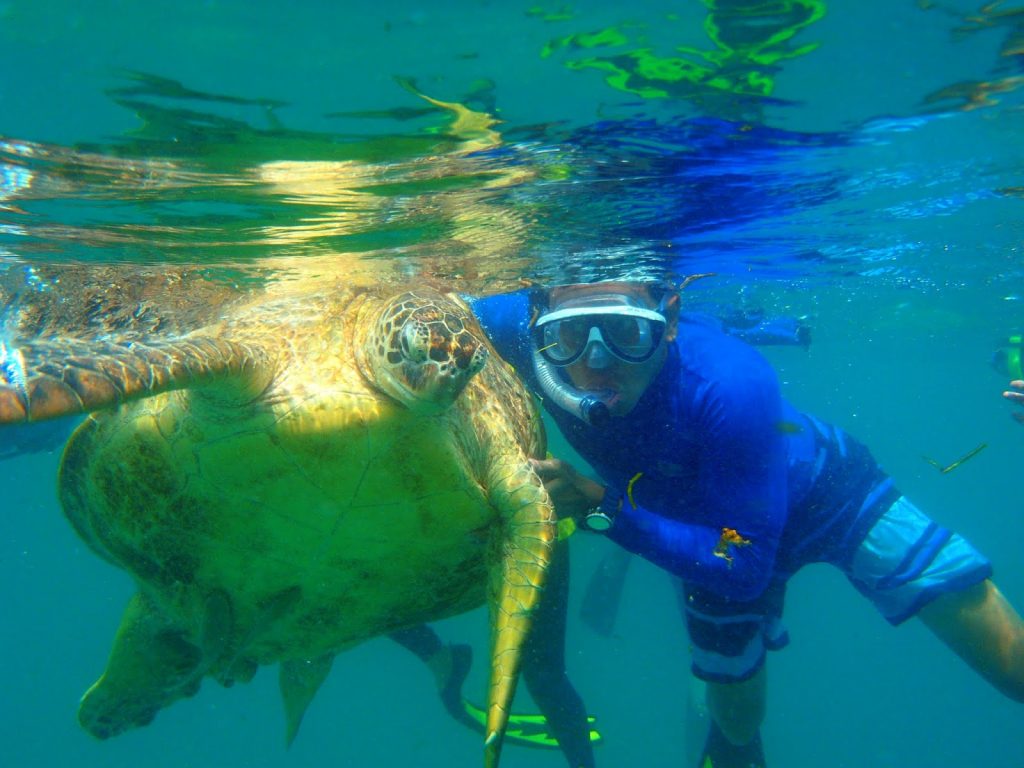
422 351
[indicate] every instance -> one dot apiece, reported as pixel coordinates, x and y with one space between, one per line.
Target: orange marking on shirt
730 538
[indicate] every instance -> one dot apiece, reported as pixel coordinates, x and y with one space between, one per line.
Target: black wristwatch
602 517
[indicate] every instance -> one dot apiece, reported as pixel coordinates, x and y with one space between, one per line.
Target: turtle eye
415 341
478 361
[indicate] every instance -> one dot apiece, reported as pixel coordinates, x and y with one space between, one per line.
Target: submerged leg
544 668
737 711
719 752
739 708
697 720
151 665
604 591
449 664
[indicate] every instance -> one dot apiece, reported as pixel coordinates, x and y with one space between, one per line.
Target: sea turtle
316 467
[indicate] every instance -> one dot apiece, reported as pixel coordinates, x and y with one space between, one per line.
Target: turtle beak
430 385
439 384
425 358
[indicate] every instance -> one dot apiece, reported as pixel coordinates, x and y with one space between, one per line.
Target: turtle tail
525 543
51 378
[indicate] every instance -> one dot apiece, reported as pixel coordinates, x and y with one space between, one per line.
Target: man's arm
703 554
728 544
723 533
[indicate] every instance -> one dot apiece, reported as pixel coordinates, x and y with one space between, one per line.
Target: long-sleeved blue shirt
714 446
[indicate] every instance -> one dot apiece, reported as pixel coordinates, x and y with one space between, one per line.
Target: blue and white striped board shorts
905 561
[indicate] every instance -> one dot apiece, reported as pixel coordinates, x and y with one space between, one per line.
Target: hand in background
1016 395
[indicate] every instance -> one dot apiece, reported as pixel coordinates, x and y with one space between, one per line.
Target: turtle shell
308 472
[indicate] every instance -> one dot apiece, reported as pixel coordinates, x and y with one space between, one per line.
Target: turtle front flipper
523 548
152 664
47 379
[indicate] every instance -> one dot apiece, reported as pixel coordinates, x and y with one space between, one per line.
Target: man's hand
1015 395
572 493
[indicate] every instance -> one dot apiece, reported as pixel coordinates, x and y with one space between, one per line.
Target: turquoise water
864 172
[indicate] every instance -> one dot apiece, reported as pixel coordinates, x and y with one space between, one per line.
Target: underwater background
857 165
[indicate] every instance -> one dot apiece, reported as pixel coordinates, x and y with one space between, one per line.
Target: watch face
598 521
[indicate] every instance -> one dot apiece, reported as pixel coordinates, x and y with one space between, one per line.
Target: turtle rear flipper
300 679
152 664
47 379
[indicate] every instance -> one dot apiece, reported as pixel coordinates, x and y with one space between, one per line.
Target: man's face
598 369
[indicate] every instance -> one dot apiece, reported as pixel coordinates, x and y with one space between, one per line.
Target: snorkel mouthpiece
590 407
594 411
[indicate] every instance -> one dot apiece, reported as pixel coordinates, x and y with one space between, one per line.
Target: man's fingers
549 468
558 490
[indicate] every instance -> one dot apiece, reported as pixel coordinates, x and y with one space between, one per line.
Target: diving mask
605 323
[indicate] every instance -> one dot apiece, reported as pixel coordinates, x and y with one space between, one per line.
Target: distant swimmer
1007 360
1016 395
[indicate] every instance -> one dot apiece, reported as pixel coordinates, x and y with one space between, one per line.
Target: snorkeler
1007 360
707 472
1016 395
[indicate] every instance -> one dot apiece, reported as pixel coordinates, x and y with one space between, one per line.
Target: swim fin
719 752
528 730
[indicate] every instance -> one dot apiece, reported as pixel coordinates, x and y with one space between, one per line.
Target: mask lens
629 337
563 341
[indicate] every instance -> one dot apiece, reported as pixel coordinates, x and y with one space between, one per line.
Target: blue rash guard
724 468
712 445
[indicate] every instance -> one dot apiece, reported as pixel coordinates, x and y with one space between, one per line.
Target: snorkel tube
591 407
